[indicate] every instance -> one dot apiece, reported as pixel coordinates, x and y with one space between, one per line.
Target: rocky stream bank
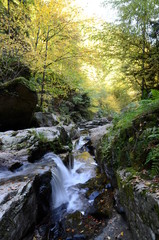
26 186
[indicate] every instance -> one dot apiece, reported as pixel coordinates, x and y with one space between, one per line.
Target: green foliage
39 136
133 43
153 158
133 111
133 141
155 94
76 105
10 85
13 67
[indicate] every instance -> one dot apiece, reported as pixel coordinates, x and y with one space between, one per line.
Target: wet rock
19 205
97 133
94 195
79 226
79 237
94 123
141 205
21 146
15 166
43 189
117 228
118 206
103 205
17 104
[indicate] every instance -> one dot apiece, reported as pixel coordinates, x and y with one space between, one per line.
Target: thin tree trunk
9 18
44 71
143 59
37 38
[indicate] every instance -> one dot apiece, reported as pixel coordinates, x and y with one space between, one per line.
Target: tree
134 21
56 43
14 44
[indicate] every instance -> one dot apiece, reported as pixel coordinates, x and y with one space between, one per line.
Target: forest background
73 61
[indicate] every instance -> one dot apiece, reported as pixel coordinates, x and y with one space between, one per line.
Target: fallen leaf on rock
122 233
147 183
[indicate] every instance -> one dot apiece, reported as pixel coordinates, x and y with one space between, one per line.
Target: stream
82 199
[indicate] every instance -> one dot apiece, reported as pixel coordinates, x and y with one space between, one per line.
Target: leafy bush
134 139
153 158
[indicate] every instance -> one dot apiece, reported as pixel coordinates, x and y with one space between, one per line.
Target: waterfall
65 183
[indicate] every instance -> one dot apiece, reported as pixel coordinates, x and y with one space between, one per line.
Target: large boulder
17 104
140 199
97 133
18 147
23 201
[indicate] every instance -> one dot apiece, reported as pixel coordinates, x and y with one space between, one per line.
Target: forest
64 55
79 121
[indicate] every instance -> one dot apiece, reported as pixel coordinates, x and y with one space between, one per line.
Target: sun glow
94 8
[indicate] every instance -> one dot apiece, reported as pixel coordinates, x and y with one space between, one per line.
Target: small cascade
60 176
65 183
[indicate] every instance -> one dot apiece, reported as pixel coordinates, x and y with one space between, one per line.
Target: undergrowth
135 110
134 139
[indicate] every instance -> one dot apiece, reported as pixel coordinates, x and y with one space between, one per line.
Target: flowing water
69 192
71 201
65 182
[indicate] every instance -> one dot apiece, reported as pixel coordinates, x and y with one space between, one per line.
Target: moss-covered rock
129 155
17 104
31 144
141 204
134 144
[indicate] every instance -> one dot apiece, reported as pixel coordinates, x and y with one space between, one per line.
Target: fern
153 158
155 94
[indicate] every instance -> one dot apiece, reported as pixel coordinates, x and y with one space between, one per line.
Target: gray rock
97 133
19 206
46 119
30 144
141 206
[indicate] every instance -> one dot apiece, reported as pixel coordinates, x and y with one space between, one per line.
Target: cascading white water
64 182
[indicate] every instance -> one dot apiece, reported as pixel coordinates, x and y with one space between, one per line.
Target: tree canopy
61 52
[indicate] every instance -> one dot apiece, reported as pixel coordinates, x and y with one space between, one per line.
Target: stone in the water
108 186
79 237
94 195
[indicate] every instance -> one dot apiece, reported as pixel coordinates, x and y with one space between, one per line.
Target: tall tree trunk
8 11
143 58
44 70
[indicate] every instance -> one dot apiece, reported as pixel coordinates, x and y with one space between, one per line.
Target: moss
144 192
118 180
9 86
129 147
14 133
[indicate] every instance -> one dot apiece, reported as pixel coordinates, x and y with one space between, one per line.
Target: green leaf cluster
133 141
